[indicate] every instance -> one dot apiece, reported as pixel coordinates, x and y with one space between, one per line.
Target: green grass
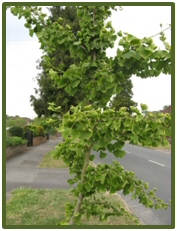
160 147
46 207
49 162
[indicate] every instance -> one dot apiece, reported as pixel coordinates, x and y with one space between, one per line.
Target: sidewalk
22 170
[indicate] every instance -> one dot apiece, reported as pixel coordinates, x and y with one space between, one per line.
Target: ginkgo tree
91 127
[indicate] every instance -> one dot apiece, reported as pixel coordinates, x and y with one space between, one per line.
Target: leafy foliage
88 130
37 130
48 127
15 141
87 126
48 90
124 98
16 121
16 131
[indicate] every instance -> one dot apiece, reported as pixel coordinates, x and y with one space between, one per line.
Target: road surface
150 166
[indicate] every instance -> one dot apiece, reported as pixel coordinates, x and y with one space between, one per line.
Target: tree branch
94 52
159 32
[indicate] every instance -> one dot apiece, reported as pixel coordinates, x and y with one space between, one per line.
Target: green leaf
128 54
119 145
86 135
120 33
118 89
165 142
101 142
75 83
130 37
137 56
62 82
135 110
88 187
145 52
119 153
144 107
108 24
31 32
127 189
135 139
110 147
115 125
53 74
77 43
102 154
87 64
14 10
66 132
39 34
111 78
139 118
160 54
157 206
100 177
122 42
113 190
27 25
135 42
92 157
38 28
74 134
80 13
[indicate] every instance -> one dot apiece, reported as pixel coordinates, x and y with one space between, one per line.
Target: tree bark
81 195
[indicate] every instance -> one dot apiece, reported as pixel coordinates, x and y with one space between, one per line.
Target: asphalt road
150 166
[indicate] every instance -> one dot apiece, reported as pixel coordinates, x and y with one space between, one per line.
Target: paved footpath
23 170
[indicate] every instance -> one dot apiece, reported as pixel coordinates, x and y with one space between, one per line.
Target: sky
22 52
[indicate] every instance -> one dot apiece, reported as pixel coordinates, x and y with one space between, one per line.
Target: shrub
16 131
48 127
37 130
15 141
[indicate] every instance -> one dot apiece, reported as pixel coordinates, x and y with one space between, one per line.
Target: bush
16 131
37 130
15 141
48 127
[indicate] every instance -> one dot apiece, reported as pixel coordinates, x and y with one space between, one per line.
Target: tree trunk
81 195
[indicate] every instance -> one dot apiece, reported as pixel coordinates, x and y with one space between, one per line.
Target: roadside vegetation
47 207
159 147
49 162
15 141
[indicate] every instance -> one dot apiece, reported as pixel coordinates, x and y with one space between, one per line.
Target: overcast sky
22 52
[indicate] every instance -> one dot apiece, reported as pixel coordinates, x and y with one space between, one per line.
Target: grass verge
46 207
160 147
49 162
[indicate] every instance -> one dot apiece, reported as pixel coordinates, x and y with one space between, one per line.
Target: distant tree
124 98
7 116
15 121
48 90
16 131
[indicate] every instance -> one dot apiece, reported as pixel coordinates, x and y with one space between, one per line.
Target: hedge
16 131
15 141
37 130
